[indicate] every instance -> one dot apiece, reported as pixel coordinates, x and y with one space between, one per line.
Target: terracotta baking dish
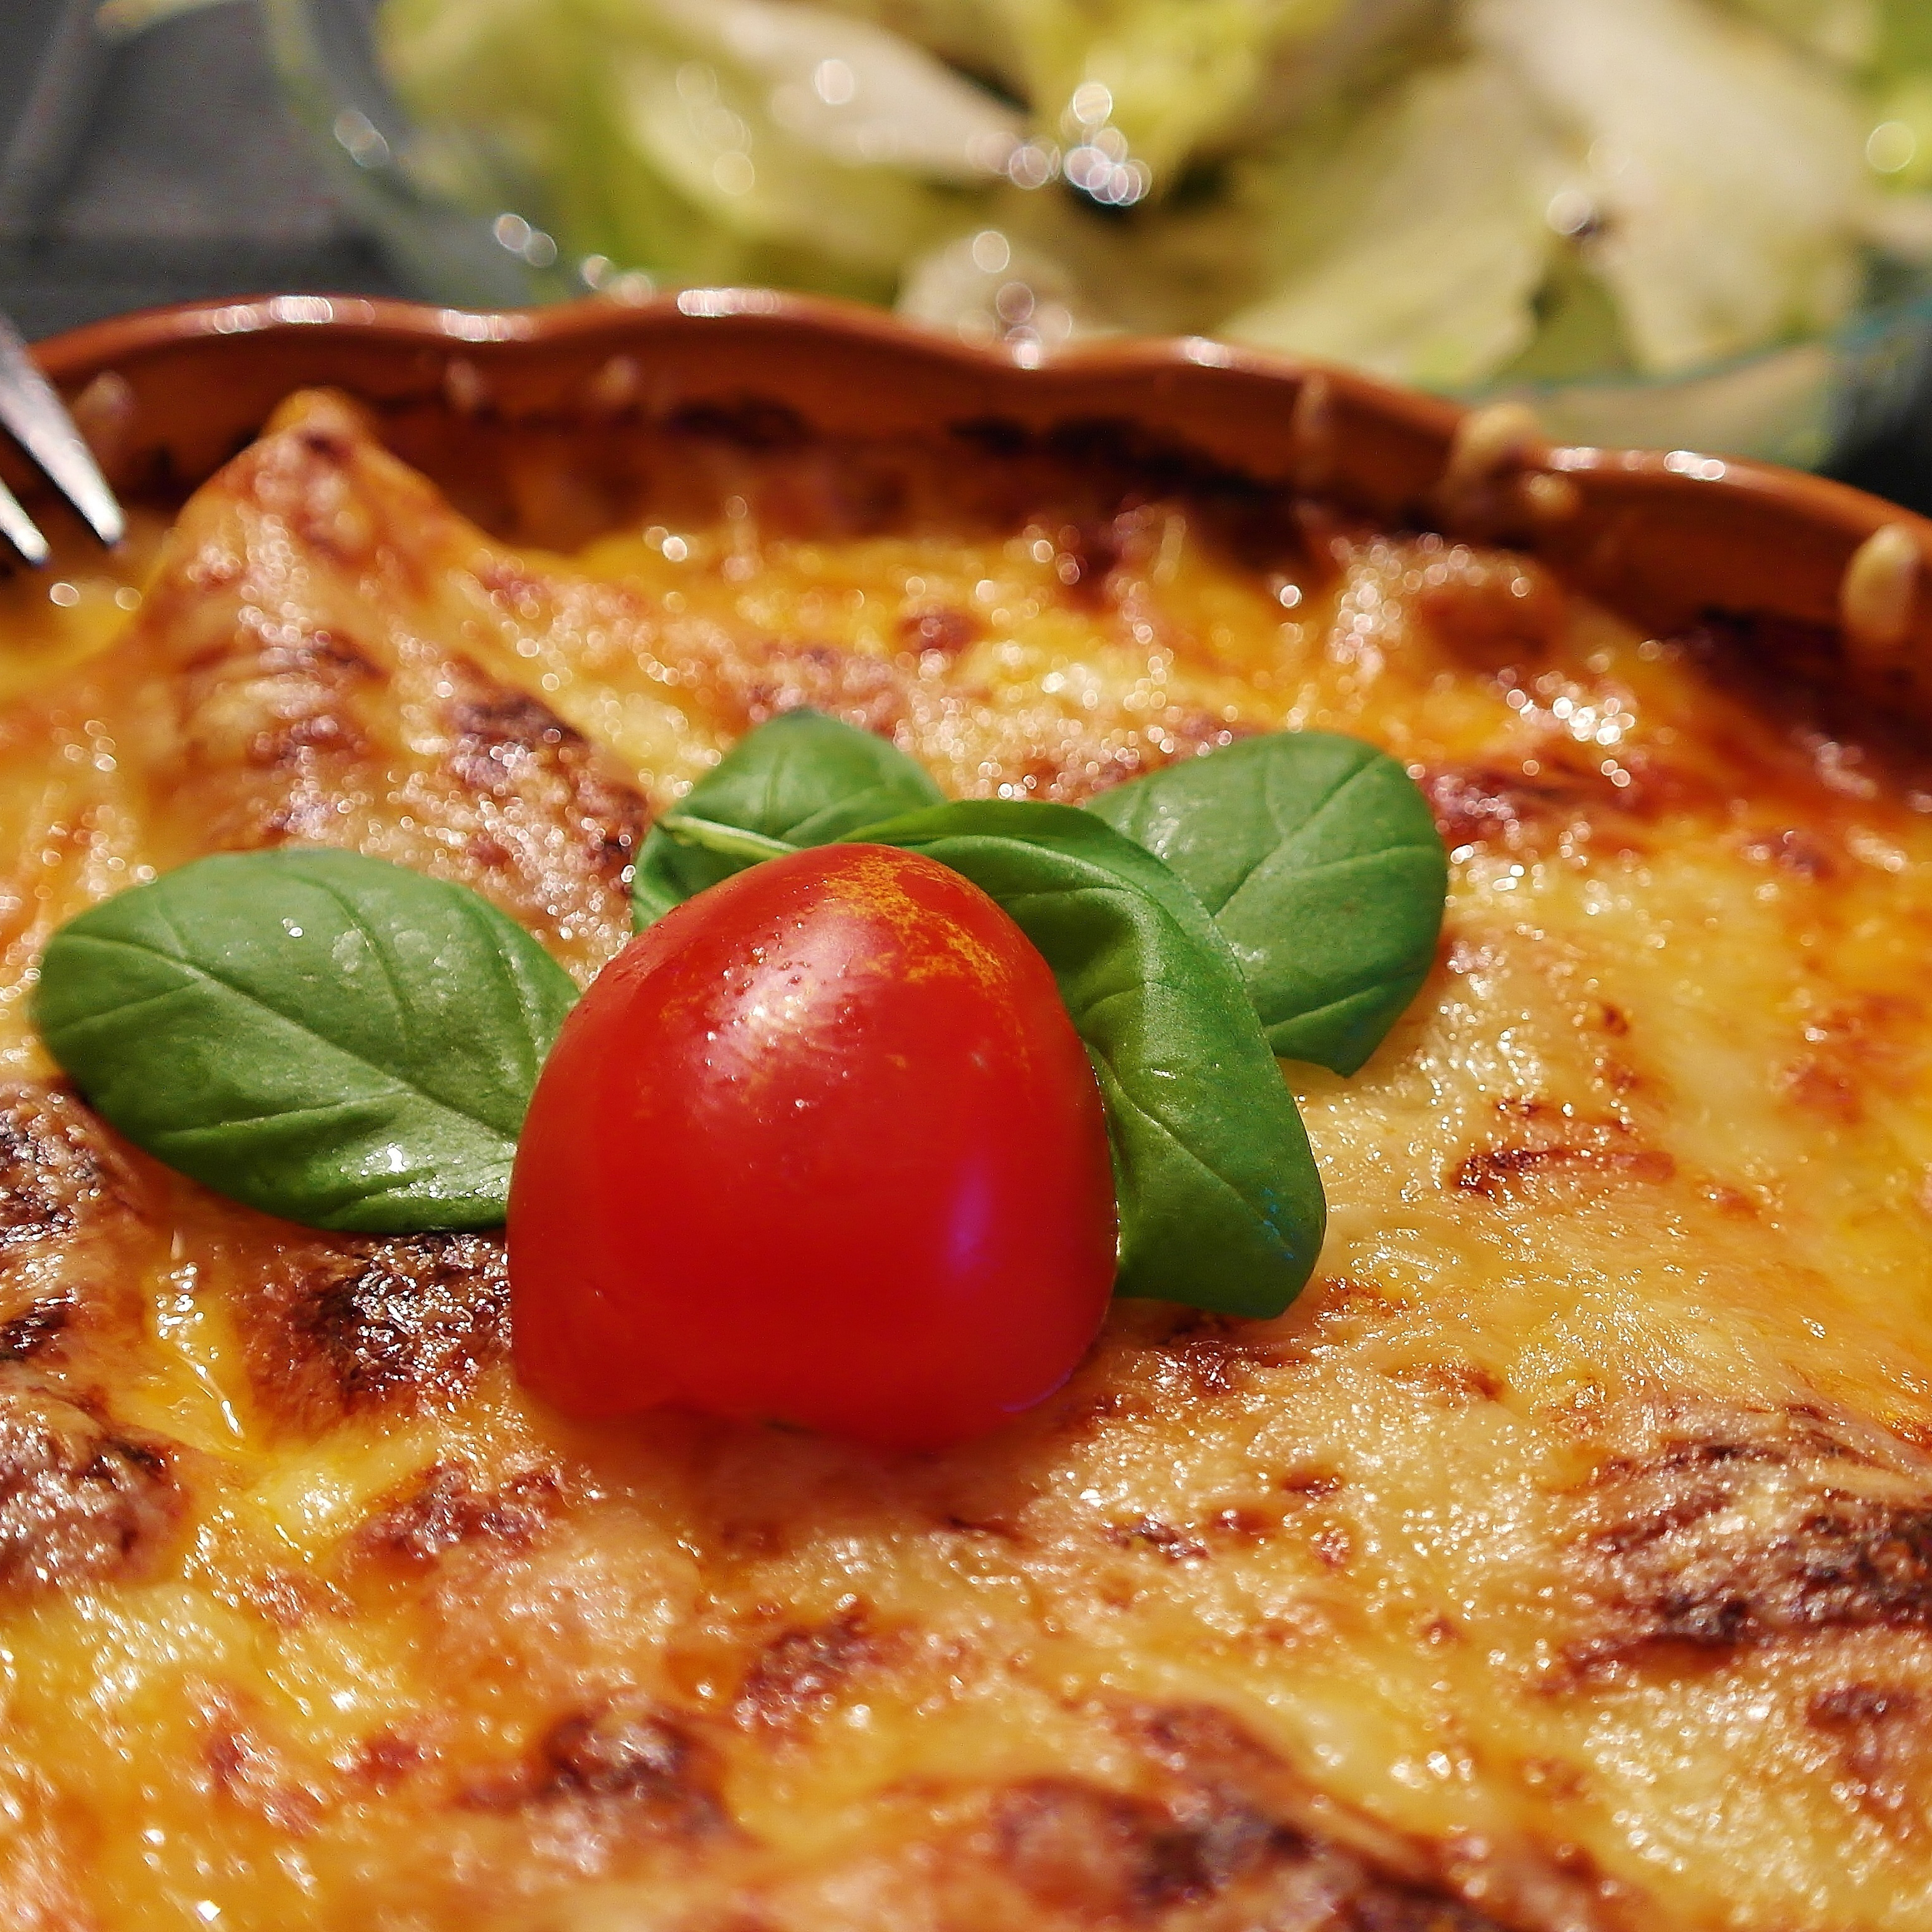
1667 538
1279 1574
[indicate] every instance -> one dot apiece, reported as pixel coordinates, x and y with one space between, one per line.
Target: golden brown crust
619 1768
72 1214
1716 1526
80 1502
444 1508
1558 1564
310 692
333 1328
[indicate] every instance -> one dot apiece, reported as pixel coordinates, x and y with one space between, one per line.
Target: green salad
1448 192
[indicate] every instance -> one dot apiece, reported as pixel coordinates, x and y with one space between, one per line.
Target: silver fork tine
19 529
41 425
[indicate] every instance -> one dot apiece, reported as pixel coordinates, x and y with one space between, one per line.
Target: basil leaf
804 777
1220 1203
325 1036
707 834
1320 861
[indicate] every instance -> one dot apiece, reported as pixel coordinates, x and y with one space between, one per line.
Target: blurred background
158 168
1698 223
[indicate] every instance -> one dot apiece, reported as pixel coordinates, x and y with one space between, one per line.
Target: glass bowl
456 224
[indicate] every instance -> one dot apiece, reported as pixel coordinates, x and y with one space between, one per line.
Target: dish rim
1663 534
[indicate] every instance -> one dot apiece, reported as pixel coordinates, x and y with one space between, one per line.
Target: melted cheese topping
1562 1560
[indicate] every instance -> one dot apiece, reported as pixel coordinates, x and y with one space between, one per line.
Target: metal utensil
38 420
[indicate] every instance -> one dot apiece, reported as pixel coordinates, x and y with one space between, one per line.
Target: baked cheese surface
1561 1560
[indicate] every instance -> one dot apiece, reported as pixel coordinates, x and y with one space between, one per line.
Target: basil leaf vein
325 1036
803 778
1220 1203
731 841
1318 859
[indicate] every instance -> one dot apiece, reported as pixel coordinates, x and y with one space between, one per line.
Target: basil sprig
1281 896
1320 862
325 1036
344 1043
1315 854
1220 1204
804 778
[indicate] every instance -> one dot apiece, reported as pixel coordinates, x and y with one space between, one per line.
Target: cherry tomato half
819 1147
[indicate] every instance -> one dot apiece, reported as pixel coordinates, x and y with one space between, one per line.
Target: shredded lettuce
714 139
1723 173
1904 42
1412 238
1168 271
1177 74
1167 80
1451 192
1843 31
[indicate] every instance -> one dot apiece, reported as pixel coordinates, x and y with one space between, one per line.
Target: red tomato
820 1146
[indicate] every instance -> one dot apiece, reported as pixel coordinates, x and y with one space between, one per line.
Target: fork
39 422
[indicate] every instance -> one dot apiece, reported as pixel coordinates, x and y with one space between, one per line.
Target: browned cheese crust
1562 1562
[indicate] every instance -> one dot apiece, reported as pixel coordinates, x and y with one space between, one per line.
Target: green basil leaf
325 1036
803 777
1320 861
1220 1203
707 834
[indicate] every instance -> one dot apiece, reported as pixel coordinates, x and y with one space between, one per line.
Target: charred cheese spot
1254 1813
1731 1527
338 1328
1220 1358
445 1508
1490 609
71 1219
772 676
623 1766
1560 801
803 1673
946 632
288 1598
382 1762
26 1335
1163 1537
55 1165
80 1502
534 777
1101 1855
1570 1154
1872 1046
246 1771
1882 1737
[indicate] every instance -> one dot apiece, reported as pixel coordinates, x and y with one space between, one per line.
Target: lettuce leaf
1723 171
1410 238
1438 190
712 139
1179 79
1180 75
1843 31
1904 39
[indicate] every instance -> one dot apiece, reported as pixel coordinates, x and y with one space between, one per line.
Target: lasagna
1561 1560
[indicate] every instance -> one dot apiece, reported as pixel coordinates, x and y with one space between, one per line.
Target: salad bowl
466 216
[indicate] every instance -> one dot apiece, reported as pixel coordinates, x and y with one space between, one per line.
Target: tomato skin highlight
819 1147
